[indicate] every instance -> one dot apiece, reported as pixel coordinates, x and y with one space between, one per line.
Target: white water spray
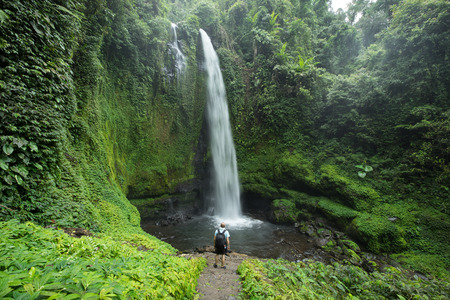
180 59
225 181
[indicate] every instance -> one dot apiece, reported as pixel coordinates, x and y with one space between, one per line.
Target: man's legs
222 260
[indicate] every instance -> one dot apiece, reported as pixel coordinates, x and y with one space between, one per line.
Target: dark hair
222 225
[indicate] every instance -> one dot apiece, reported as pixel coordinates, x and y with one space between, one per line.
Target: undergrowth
39 263
280 279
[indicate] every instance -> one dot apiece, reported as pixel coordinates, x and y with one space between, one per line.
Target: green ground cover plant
39 263
280 279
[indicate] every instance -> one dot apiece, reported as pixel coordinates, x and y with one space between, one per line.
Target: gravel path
218 283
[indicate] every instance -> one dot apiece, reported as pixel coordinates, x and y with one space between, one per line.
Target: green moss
145 201
329 245
302 199
256 175
258 184
340 214
148 184
378 234
284 211
337 212
352 256
294 170
435 265
352 193
351 245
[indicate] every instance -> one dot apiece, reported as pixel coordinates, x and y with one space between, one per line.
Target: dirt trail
218 283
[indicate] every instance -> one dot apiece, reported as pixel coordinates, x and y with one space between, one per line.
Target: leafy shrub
280 279
36 88
40 263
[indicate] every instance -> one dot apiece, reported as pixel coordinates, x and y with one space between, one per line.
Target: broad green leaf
21 170
38 166
360 166
29 288
8 149
54 286
72 296
20 142
105 293
4 292
18 179
67 11
362 174
368 169
9 180
90 295
51 295
33 147
3 164
4 287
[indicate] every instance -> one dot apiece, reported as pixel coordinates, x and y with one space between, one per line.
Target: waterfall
225 182
180 59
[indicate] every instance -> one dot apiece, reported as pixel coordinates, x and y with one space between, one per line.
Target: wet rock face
172 210
174 219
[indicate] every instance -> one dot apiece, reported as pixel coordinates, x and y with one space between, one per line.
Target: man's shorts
221 250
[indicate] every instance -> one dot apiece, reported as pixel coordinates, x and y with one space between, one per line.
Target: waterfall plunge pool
248 236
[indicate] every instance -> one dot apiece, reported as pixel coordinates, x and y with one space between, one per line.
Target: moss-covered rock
378 234
148 184
336 212
352 256
351 245
295 171
283 211
354 194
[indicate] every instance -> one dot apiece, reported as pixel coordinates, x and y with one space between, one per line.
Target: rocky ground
218 283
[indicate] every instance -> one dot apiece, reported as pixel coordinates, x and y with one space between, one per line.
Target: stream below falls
247 236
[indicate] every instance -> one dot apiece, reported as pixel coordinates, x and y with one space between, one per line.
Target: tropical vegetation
343 115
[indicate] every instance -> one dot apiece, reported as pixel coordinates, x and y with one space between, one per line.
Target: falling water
225 181
180 59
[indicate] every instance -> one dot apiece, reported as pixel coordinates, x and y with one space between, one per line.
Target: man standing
221 244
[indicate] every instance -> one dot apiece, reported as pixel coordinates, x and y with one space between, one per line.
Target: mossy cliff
120 124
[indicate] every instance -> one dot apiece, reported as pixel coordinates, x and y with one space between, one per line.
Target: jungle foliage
40 263
280 279
350 108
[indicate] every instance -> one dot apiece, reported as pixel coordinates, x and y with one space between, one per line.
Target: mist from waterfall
225 199
180 58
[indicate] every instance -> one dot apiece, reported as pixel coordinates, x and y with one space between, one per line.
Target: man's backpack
221 241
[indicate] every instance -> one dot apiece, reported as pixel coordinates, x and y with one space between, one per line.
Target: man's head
222 225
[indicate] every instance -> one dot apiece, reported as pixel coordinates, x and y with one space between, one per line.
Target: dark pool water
248 236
